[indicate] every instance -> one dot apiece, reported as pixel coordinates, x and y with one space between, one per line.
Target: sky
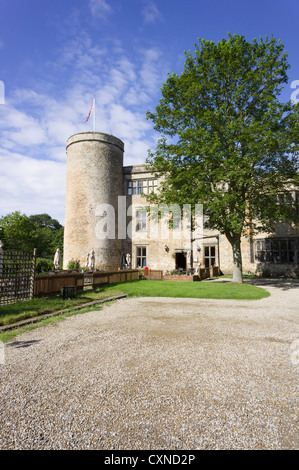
57 55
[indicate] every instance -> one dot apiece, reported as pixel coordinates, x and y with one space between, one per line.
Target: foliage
227 141
20 232
43 265
49 235
74 264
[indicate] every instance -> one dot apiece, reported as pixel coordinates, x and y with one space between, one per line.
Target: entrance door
180 261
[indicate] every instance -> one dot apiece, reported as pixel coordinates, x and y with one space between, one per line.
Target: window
132 187
289 200
141 220
210 256
152 186
141 257
275 250
143 186
285 199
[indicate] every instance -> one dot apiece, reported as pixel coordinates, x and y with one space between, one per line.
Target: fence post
33 274
16 278
1 258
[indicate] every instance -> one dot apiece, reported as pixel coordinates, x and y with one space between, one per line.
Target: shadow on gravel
23 344
284 284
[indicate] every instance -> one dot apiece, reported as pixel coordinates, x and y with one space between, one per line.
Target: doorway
180 261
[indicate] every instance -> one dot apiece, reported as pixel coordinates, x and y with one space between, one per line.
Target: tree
226 141
45 220
18 232
49 235
23 233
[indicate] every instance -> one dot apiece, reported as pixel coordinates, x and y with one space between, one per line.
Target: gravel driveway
157 373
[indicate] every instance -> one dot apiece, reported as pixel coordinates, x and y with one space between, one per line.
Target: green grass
198 290
10 334
42 305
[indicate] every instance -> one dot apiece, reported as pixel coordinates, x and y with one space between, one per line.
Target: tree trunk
237 258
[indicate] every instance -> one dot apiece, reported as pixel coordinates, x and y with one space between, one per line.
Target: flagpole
94 115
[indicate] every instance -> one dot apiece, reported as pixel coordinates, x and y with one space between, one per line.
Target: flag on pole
89 112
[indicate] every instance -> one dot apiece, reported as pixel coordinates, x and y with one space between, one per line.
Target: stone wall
94 178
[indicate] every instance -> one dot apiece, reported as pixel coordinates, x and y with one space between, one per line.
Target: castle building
107 212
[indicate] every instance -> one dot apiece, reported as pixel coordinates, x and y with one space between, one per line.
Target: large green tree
49 235
24 233
226 140
17 232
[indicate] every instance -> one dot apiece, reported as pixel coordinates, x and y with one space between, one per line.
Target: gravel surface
157 373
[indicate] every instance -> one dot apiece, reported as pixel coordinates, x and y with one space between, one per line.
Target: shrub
266 273
74 264
43 265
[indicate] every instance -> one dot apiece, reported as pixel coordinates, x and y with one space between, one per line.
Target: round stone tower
94 180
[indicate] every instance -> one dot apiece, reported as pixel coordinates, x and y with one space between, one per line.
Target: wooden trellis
17 270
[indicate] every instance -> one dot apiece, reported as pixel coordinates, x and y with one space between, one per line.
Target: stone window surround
141 186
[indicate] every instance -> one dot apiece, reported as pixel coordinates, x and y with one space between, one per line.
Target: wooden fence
53 283
152 274
115 276
205 273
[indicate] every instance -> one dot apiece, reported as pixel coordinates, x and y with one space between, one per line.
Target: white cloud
135 96
152 69
127 124
20 128
32 186
136 151
99 8
36 123
151 13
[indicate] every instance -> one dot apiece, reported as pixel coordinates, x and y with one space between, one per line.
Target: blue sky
56 55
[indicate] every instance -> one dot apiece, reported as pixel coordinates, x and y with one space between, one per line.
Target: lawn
200 290
197 290
42 305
